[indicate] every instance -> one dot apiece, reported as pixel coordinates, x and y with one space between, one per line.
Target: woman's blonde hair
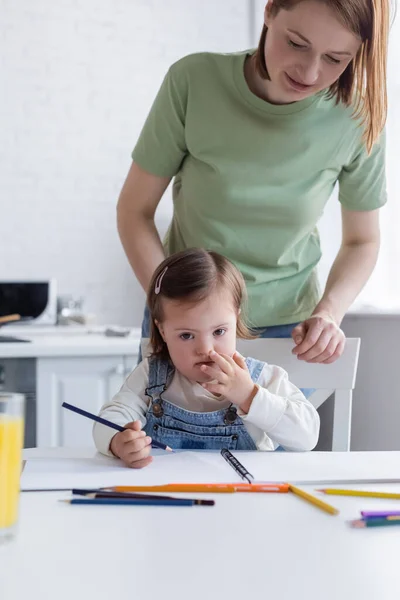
363 83
190 276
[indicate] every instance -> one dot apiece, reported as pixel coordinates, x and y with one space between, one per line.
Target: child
195 391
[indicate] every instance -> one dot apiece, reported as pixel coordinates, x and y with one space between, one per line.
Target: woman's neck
256 84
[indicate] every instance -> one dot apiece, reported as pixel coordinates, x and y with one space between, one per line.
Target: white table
247 546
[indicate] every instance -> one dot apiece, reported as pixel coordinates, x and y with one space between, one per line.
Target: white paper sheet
101 471
206 467
322 467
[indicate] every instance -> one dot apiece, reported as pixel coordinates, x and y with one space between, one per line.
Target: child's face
192 331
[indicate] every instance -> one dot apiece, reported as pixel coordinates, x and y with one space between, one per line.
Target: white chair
337 378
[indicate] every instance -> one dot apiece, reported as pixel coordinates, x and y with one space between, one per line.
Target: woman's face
306 50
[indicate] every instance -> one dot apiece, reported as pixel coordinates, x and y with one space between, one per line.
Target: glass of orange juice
11 442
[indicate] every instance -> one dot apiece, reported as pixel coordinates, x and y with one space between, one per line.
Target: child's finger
221 361
229 360
129 435
135 425
215 373
137 444
136 455
239 360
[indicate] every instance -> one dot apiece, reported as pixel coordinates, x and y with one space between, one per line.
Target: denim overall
180 428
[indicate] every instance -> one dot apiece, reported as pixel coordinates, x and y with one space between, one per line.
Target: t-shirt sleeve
362 183
161 146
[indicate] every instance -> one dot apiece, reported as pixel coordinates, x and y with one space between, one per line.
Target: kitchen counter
75 364
66 341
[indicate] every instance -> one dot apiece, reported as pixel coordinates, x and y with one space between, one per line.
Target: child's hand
132 446
232 379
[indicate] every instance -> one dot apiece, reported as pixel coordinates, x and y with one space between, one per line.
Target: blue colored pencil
139 502
89 415
100 493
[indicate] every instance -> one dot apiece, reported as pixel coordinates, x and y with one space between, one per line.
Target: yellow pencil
338 492
313 500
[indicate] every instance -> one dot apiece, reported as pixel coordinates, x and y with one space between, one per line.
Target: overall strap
160 375
255 367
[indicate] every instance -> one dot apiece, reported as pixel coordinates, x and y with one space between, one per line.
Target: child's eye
219 332
186 336
294 45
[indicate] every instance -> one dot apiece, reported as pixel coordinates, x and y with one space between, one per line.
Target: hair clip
157 285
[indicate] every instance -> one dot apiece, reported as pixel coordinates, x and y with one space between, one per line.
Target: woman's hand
318 340
230 378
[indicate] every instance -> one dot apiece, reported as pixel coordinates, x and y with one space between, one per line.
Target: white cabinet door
87 382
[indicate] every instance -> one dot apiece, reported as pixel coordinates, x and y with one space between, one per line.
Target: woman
255 142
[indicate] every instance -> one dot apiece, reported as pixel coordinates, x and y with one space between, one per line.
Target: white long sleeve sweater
279 414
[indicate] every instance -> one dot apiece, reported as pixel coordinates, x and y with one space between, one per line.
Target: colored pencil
89 415
97 491
46 490
313 500
360 493
217 488
139 502
360 523
261 487
326 482
111 494
379 514
184 487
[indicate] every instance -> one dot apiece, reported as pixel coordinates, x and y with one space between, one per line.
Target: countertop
47 341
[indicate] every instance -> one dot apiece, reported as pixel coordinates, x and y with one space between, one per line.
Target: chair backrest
339 375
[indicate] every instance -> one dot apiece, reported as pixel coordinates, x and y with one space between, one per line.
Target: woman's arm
320 337
139 198
160 150
354 263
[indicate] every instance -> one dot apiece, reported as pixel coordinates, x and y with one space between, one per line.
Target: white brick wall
77 79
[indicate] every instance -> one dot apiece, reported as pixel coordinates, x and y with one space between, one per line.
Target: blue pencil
140 502
89 415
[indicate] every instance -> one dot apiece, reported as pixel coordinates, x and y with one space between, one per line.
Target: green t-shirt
252 178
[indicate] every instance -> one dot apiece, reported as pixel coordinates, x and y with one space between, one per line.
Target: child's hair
191 276
363 83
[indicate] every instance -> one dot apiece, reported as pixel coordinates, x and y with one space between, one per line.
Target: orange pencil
262 487
205 487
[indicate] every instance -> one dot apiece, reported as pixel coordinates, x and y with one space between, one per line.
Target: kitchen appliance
34 300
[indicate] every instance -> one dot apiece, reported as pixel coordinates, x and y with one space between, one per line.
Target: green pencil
360 523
